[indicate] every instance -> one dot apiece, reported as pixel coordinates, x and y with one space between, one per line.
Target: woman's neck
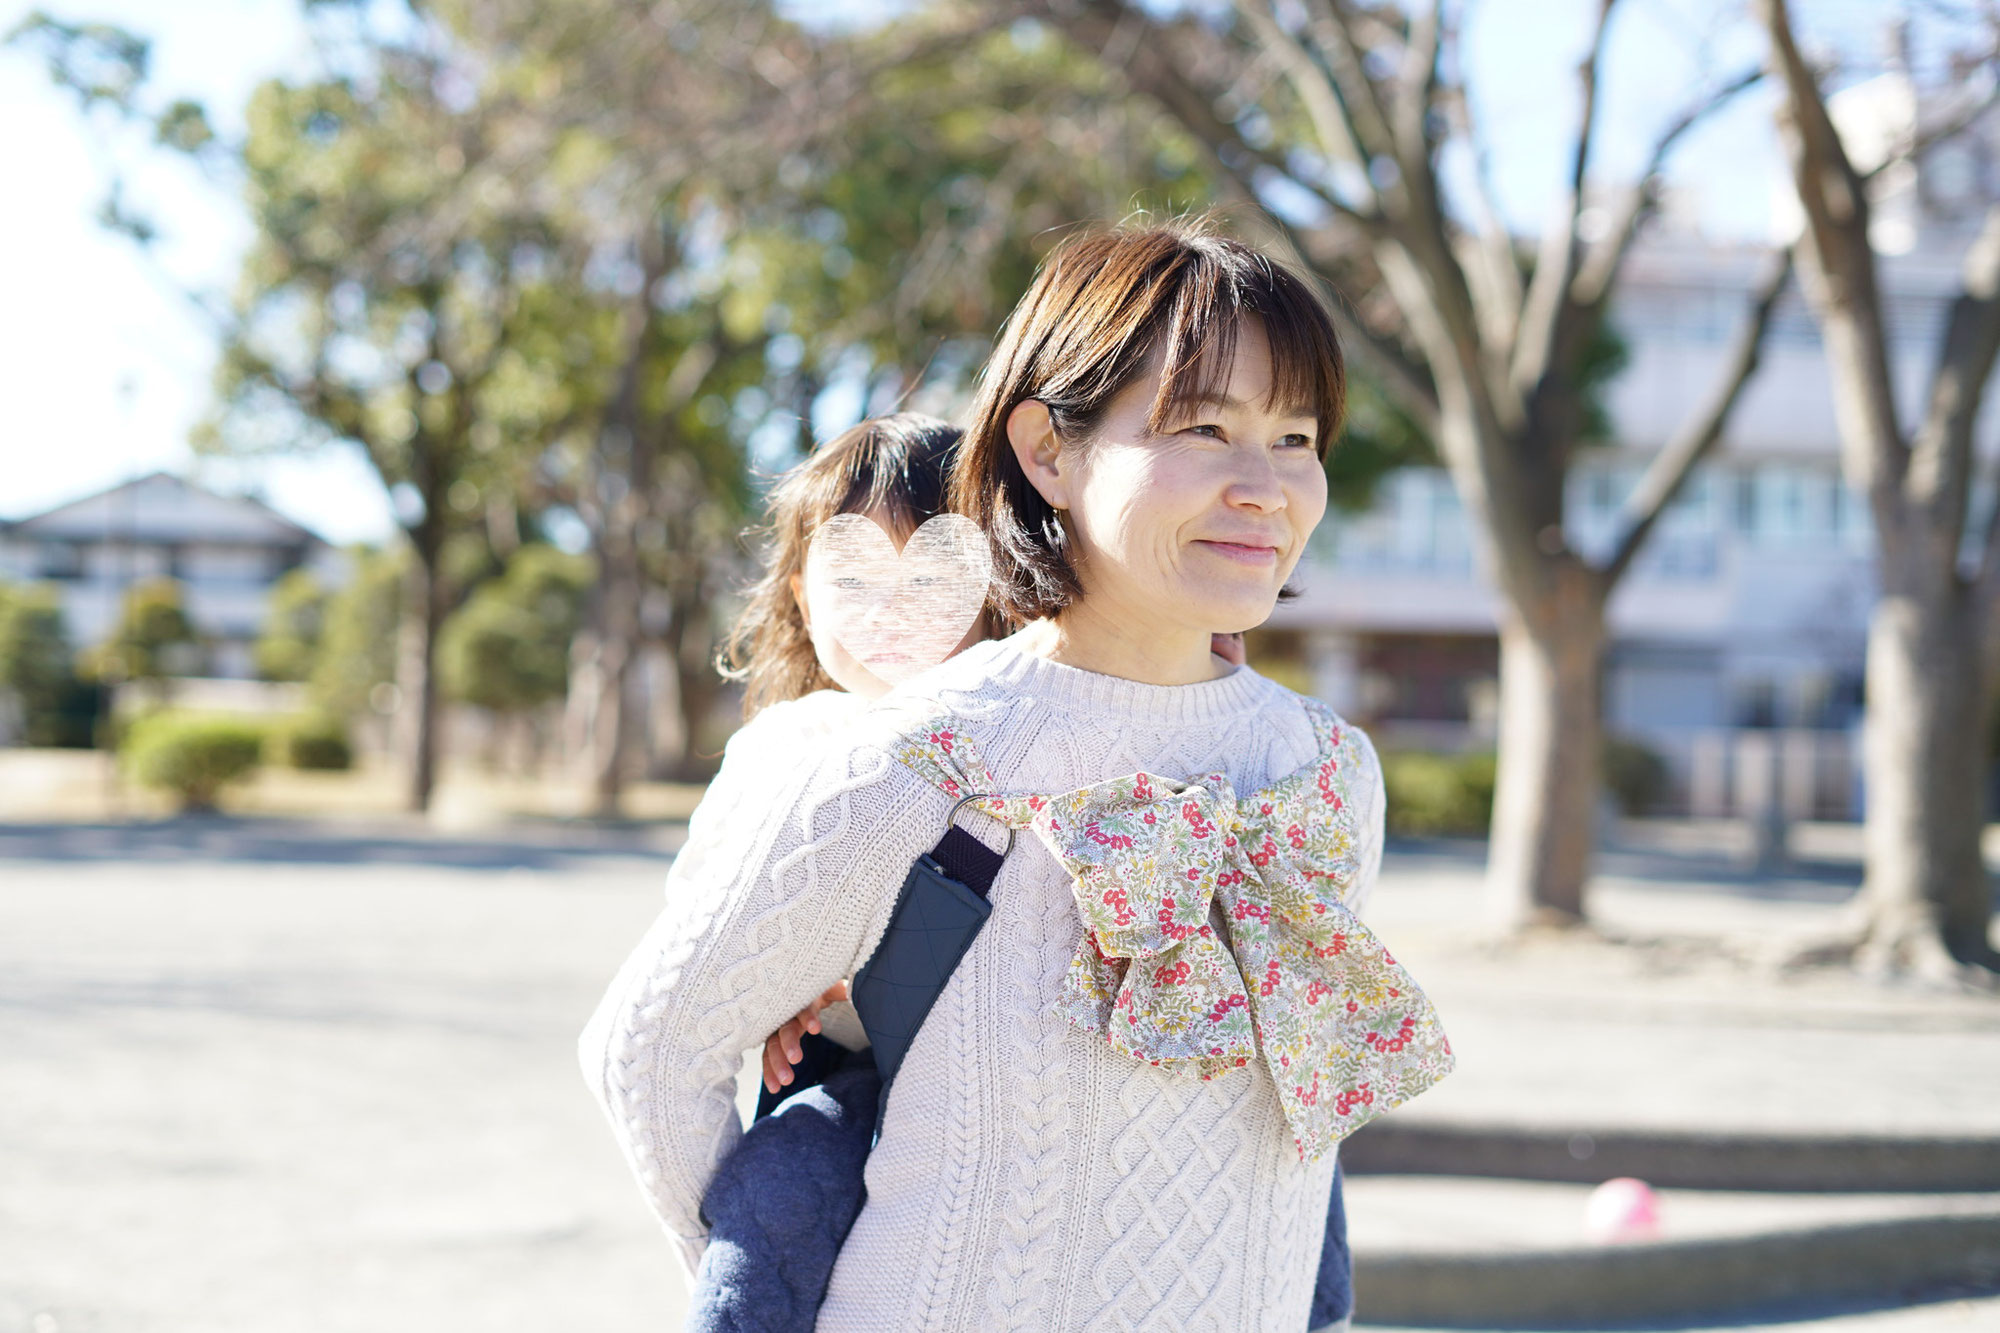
1104 644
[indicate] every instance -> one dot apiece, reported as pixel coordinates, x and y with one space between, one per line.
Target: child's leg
780 1206
1333 1292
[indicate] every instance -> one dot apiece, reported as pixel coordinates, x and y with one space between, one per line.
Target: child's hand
782 1049
1228 647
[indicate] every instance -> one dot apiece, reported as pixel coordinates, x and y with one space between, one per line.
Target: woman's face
1197 526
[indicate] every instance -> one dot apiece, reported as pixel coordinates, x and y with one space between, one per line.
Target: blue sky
103 370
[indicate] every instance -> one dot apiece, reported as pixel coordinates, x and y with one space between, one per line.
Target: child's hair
893 465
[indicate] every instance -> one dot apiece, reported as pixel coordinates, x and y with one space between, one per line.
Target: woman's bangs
1306 371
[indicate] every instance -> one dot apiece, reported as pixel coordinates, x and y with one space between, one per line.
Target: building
1737 639
227 552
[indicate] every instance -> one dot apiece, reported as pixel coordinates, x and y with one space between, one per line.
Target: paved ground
309 1093
267 1078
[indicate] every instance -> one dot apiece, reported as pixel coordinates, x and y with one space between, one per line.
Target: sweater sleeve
753 929
1373 828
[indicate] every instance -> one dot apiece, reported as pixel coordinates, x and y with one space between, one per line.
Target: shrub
311 741
1635 774
1434 795
192 755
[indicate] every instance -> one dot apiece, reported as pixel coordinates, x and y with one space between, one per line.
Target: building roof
163 508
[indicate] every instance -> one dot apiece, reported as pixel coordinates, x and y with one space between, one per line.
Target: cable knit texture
1027 1177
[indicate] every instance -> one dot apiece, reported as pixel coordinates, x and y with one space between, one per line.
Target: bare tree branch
1668 472
1416 90
1936 134
1940 470
1548 289
1835 202
1323 107
1600 267
1497 289
1331 24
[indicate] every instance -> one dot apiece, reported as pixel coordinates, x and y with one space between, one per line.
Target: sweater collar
1072 688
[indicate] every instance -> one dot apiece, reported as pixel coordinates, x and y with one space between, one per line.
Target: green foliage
312 741
507 649
37 668
153 638
1378 438
1602 360
1438 795
1635 774
99 62
192 755
289 645
357 643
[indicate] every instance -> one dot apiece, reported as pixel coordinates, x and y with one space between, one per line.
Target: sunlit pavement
267 1078
284 1095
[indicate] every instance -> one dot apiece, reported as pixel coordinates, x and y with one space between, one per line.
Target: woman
1121 1111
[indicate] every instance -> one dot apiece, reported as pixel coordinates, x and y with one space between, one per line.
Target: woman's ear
799 595
1032 433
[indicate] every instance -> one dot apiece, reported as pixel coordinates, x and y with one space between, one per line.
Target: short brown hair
1098 307
895 464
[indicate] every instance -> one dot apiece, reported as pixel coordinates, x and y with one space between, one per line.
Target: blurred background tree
293 626
591 272
507 650
152 640
38 668
354 658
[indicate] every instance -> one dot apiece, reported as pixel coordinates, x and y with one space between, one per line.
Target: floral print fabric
1216 929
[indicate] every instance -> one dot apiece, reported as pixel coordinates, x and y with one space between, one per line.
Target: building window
61 560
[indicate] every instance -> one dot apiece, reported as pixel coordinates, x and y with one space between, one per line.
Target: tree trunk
416 678
690 645
620 591
1926 897
1546 788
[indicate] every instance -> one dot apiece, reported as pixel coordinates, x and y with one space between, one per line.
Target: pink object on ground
1621 1211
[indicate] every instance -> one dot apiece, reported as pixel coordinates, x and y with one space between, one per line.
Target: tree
1485 345
289 643
1934 637
373 297
354 665
507 649
36 666
153 639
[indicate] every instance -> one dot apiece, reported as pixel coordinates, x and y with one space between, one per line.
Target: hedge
192 755
311 741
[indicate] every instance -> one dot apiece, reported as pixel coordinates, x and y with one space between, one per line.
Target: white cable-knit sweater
1028 1176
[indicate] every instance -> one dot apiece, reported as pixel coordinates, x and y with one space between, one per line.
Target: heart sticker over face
897 614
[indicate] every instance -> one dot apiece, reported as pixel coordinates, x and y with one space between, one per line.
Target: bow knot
1216 930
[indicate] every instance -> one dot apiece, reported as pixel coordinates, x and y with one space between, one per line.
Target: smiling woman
1188 361
1124 1107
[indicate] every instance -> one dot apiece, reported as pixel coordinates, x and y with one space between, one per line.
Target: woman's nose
1256 484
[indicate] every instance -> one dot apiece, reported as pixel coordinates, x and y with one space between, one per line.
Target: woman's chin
1225 614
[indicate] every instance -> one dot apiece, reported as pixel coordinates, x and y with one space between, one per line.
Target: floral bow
1216 929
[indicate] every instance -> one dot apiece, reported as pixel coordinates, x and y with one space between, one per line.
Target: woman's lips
1242 553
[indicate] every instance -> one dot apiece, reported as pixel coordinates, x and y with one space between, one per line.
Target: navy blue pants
781 1204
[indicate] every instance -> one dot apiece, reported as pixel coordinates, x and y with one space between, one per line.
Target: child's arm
747 939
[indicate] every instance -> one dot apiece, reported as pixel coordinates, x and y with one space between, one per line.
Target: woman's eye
1213 432
1296 442
850 584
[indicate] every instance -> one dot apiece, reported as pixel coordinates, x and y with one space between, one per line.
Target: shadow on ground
1801 879
524 844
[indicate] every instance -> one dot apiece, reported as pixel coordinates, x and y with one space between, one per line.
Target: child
782 1202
